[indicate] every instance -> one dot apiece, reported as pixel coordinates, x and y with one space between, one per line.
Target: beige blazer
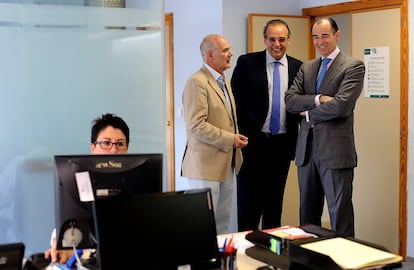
210 129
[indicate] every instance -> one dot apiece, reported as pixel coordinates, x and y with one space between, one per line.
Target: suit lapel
332 70
215 86
314 75
213 83
261 71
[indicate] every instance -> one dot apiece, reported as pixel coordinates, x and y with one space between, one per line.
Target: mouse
37 261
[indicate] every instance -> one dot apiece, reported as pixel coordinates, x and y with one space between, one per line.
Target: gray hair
208 44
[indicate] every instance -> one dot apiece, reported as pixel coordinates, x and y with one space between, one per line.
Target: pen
229 244
225 244
72 261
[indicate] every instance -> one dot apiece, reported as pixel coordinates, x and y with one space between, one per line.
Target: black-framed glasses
121 145
279 39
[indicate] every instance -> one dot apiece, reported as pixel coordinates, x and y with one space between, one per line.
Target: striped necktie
221 82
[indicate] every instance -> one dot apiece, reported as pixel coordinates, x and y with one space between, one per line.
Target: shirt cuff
317 102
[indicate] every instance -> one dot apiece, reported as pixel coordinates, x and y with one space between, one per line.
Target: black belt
270 135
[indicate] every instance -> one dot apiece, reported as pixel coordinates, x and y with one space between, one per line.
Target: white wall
317 3
235 21
192 21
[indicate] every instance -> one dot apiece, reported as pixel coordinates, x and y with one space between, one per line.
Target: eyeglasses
108 144
279 39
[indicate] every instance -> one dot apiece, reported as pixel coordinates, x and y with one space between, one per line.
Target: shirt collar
215 74
270 59
333 54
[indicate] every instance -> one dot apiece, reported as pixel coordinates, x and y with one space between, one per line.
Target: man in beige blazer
212 154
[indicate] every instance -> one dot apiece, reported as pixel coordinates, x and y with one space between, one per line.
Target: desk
245 262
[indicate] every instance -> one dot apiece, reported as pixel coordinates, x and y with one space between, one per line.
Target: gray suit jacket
332 122
210 129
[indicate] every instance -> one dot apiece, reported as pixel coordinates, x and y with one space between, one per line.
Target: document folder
338 253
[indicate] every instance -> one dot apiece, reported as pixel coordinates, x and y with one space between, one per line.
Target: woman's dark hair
106 120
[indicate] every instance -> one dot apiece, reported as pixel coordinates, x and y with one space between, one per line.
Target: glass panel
61 67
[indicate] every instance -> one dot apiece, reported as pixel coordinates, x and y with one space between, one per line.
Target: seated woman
109 135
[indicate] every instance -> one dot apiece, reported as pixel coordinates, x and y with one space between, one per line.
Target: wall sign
377 75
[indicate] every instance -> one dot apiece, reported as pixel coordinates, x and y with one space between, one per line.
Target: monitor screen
170 230
80 179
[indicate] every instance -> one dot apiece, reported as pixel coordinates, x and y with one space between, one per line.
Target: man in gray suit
325 151
212 154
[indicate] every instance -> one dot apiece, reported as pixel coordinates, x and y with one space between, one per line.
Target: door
377 131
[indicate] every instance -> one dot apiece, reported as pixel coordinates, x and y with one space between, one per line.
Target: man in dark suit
266 160
325 151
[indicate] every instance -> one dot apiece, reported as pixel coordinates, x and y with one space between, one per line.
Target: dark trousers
261 182
316 182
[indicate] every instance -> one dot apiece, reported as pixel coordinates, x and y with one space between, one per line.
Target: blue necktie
325 63
275 115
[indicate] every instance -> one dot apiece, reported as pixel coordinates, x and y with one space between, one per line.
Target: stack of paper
349 254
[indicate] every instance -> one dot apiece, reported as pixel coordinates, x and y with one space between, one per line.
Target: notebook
169 230
11 256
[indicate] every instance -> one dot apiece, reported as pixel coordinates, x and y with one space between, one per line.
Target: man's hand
323 99
240 141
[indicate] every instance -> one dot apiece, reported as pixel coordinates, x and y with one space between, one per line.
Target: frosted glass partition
62 66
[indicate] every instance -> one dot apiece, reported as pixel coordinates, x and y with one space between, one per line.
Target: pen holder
228 259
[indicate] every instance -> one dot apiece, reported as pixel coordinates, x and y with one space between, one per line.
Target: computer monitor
11 256
80 179
169 230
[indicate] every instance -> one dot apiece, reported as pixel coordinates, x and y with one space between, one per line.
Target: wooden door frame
170 102
367 5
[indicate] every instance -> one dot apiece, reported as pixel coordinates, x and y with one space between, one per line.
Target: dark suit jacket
333 122
250 89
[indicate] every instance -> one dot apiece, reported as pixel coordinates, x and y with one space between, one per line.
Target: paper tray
268 257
